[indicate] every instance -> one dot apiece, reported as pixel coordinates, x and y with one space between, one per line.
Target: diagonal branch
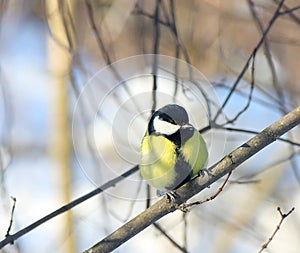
228 163
12 237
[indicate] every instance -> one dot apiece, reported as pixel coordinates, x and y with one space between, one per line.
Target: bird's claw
171 196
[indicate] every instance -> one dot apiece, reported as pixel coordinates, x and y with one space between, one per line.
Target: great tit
172 150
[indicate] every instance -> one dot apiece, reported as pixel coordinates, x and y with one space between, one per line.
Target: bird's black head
171 121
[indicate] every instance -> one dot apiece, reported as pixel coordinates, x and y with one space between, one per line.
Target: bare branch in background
268 101
169 22
269 57
252 84
233 129
248 177
165 234
11 217
283 216
289 12
246 66
96 32
156 40
139 11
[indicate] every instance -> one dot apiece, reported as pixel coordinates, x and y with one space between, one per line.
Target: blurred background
74 107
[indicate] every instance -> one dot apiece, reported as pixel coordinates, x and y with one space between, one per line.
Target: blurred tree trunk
59 61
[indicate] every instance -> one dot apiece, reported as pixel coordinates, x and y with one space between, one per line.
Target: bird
172 151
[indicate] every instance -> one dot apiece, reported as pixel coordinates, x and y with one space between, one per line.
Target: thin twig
289 11
102 46
11 216
292 15
156 41
160 229
97 32
242 130
263 91
139 11
240 91
212 197
283 216
247 131
248 177
253 181
252 83
177 46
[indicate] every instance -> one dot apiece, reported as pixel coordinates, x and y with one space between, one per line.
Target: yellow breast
159 165
158 160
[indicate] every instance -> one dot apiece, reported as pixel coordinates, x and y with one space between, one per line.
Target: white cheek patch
164 127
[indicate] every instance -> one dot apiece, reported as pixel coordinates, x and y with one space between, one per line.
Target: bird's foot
203 171
171 195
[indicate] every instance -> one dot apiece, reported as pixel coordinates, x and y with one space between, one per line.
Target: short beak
188 127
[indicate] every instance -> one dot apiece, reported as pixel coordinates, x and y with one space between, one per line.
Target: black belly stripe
183 172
